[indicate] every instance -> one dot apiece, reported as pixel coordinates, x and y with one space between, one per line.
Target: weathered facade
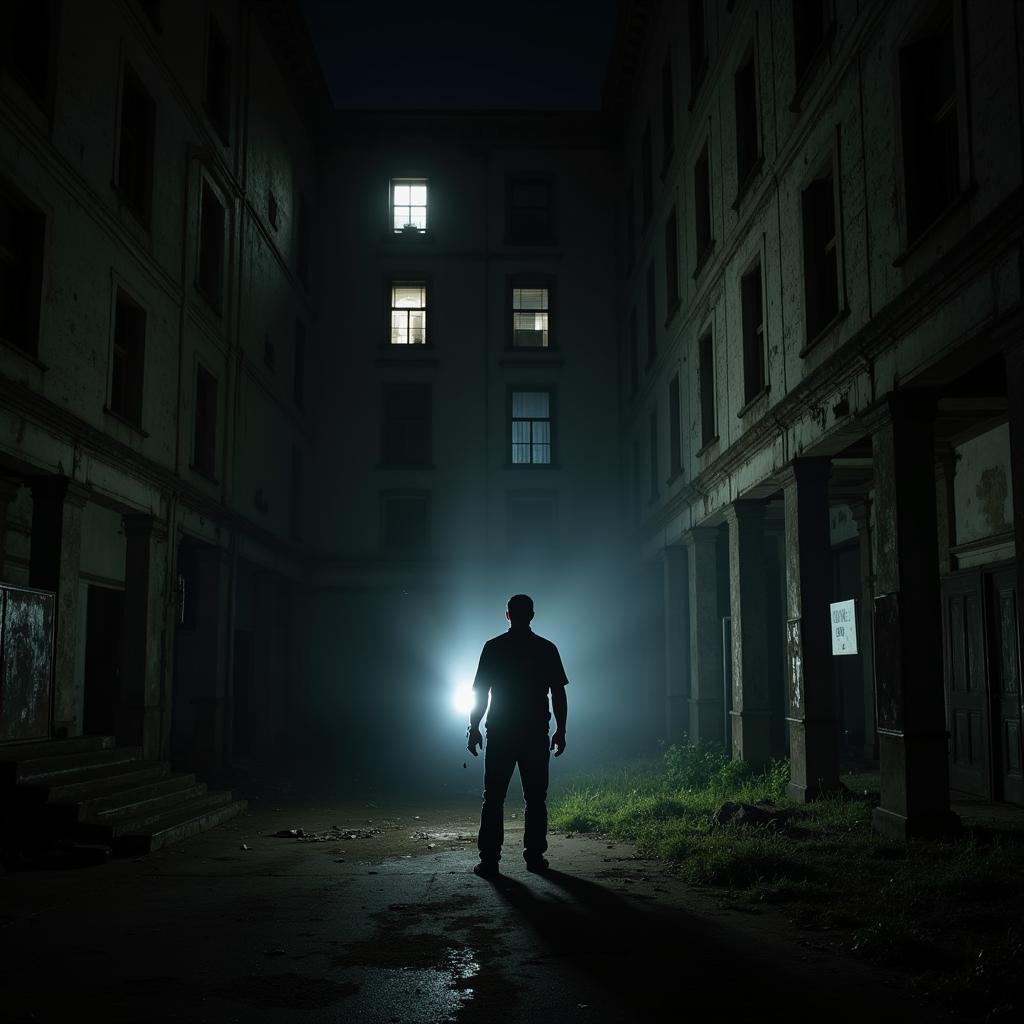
821 253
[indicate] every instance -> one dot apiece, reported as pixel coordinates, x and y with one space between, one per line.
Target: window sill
824 332
127 422
755 400
125 205
747 184
810 72
14 347
676 474
206 474
961 200
409 236
672 310
707 446
703 258
532 467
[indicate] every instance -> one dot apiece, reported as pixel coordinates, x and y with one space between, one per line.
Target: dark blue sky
453 54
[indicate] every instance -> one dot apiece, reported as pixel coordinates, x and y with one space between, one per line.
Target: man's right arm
481 691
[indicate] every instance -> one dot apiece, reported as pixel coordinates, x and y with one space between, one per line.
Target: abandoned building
739 349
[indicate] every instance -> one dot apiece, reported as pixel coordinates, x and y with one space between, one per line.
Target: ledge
707 446
10 346
703 258
751 402
961 199
672 310
127 422
812 343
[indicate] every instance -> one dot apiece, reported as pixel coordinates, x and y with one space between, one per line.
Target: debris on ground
762 813
289 833
243 846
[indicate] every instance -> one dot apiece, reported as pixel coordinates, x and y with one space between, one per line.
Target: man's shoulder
544 642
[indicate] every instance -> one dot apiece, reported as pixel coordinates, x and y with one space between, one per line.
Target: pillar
750 715
811 684
945 511
144 650
912 738
677 644
707 721
211 656
54 560
9 488
1014 356
865 622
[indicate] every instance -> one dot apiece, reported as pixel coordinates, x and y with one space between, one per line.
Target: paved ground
382 921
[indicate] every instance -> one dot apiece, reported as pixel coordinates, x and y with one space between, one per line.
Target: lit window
409 205
530 317
409 313
531 428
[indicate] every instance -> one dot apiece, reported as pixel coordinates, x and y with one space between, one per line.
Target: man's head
520 610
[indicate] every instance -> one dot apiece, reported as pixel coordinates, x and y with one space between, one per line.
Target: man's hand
558 743
474 739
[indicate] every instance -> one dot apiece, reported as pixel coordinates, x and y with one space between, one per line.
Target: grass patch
946 912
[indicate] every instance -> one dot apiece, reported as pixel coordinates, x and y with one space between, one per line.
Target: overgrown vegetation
947 912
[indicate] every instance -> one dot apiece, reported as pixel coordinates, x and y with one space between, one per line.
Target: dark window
21 270
406 425
530 519
408 206
810 23
217 92
529 210
211 248
708 425
668 111
931 141
27 34
126 373
204 449
272 212
698 47
405 520
634 354
135 147
652 324
821 271
303 241
268 353
702 205
753 333
653 452
531 311
671 264
409 313
630 225
646 173
531 428
296 493
747 140
675 453
299 366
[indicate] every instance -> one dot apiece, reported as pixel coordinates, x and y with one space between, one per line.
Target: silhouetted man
517 670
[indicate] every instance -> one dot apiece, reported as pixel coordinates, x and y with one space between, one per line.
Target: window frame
35 226
707 382
405 232
121 295
143 213
529 387
673 291
394 387
222 128
527 281
411 279
747 169
752 394
216 302
703 246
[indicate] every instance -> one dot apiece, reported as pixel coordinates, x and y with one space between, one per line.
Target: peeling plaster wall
983 500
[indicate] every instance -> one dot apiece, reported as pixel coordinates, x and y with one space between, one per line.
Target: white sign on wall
844 627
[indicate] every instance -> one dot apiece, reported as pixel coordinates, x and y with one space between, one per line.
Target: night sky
459 55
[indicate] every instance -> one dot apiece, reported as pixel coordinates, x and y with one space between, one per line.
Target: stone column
912 738
811 684
945 512
143 659
677 644
707 722
54 560
865 622
751 740
9 488
211 655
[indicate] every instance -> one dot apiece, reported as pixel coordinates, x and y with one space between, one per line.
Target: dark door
102 680
967 702
244 669
1004 659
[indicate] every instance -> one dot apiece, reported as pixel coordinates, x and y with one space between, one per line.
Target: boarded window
531 428
409 313
753 333
127 360
708 422
21 268
530 317
529 210
821 270
204 448
211 248
135 147
406 425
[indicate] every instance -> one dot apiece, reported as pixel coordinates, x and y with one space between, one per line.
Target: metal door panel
26 663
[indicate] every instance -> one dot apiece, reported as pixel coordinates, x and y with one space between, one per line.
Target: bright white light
463 698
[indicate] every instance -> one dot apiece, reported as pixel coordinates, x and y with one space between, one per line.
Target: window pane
520 453
541 432
542 454
520 432
401 195
530 404
408 296
417 195
417 328
417 216
529 298
399 327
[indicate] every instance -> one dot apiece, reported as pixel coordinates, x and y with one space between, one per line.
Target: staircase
88 790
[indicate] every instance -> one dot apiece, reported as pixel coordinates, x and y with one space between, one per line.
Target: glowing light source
463 698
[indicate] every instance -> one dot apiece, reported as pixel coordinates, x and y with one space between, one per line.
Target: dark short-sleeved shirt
518 668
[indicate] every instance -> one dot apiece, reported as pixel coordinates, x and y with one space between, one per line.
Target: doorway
104 630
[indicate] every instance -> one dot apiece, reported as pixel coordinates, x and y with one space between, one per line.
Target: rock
731 813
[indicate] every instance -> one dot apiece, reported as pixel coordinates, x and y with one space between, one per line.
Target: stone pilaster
1014 357
811 686
751 741
945 512
677 644
707 721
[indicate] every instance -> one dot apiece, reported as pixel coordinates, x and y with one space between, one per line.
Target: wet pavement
373 914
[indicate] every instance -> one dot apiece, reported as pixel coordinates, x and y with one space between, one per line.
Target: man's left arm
559 704
481 693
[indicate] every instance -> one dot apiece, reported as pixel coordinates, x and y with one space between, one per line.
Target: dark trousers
502 755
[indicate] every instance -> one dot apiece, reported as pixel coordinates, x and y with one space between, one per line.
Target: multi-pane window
646 175
531 428
753 333
668 111
698 46
634 353
702 205
652 451
931 139
671 264
135 146
708 419
675 453
530 519
406 425
747 139
127 359
409 313
821 267
810 24
529 210
27 32
299 366
204 435
21 269
405 520
210 277
409 205
530 313
217 90
652 324
295 516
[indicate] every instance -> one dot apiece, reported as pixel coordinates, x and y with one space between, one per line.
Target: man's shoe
536 864
486 869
